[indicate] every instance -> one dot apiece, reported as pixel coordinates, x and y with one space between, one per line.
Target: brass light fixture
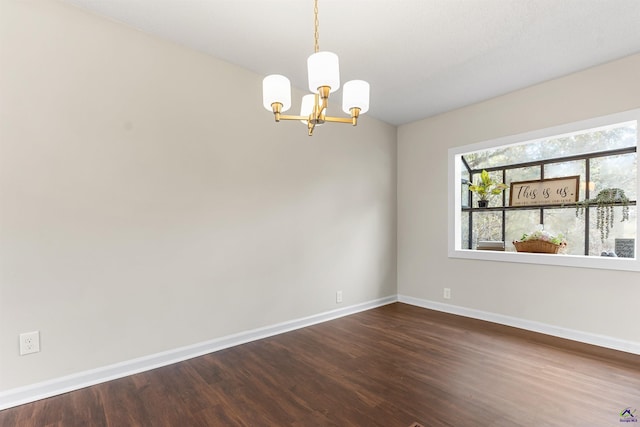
324 78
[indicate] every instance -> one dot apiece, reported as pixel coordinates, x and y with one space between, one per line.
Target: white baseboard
42 390
556 331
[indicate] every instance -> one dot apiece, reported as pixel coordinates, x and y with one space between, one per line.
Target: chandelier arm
351 120
288 117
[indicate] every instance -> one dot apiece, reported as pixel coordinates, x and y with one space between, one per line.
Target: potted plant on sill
540 241
486 188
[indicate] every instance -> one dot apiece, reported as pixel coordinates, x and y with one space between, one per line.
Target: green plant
486 186
605 201
540 234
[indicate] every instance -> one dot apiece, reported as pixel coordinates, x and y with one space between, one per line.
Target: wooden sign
555 191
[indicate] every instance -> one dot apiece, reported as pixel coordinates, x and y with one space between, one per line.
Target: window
600 151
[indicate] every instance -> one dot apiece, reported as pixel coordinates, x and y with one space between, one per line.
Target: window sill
580 261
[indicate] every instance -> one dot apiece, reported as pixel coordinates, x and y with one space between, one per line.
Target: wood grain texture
397 365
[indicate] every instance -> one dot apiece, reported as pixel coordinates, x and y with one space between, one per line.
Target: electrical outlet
339 296
29 342
447 293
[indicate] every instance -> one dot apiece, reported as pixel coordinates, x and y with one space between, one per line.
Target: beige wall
139 212
598 302
148 201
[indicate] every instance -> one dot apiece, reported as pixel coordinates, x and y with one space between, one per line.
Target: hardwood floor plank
392 366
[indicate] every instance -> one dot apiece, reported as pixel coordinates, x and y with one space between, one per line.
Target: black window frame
541 208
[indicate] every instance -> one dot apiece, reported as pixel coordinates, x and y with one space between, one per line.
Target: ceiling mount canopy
324 78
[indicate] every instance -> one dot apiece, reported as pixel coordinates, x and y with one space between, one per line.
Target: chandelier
324 78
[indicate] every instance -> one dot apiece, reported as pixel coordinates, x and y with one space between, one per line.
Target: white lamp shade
276 88
324 70
355 94
307 106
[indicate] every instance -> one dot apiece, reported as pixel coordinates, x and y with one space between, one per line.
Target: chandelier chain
315 34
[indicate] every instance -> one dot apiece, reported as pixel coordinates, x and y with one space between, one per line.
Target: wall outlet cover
29 342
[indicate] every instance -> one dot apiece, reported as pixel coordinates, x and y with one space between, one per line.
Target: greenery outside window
601 151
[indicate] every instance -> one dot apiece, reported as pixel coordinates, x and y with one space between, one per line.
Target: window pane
487 226
588 141
464 230
614 172
565 222
464 193
521 174
561 170
518 223
620 230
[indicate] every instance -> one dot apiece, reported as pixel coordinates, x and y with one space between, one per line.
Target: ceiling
421 57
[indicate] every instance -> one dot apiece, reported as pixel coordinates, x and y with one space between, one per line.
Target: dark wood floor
391 366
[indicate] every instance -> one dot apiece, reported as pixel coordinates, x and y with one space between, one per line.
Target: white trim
454 200
42 390
529 325
33 392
